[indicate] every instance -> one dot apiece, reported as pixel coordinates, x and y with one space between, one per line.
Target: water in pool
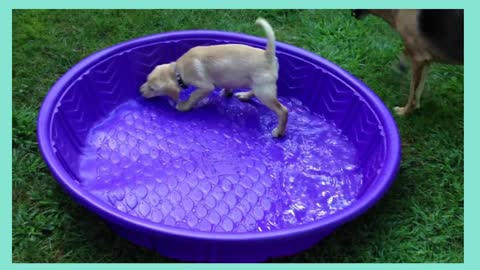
217 168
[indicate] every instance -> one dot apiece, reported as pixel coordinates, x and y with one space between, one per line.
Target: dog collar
180 82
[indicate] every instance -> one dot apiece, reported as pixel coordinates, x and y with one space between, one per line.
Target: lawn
420 219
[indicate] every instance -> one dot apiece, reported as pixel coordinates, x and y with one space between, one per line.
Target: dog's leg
193 99
417 74
226 92
421 86
268 96
401 65
244 96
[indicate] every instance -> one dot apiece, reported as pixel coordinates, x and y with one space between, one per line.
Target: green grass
420 219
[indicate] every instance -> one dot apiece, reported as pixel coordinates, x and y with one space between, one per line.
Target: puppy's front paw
276 132
171 103
183 106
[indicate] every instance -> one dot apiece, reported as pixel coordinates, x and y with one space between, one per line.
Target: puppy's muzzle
144 89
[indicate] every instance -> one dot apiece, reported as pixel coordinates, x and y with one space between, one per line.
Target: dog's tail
270 50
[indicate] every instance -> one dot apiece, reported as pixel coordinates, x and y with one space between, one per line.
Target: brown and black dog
429 35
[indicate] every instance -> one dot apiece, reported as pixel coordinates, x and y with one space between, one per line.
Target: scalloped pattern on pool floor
217 168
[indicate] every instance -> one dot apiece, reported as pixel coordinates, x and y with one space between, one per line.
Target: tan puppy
228 66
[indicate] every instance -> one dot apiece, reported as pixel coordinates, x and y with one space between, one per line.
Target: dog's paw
244 96
277 133
401 111
183 106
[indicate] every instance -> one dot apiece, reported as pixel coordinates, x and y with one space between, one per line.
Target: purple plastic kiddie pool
212 184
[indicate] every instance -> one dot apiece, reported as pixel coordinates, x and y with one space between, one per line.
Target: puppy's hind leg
267 94
226 92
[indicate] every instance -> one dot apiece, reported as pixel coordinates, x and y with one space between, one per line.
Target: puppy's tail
270 50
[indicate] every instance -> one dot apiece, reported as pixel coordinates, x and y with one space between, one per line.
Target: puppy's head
161 82
359 13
